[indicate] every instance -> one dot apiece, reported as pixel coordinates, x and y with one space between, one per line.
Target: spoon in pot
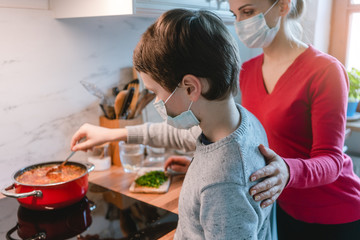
57 169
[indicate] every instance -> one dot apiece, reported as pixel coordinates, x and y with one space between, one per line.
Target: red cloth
304 118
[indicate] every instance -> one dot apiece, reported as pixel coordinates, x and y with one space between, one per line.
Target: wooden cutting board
140 189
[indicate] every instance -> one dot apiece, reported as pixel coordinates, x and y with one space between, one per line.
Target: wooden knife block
118 123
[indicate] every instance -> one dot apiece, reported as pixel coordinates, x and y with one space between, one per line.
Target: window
353 52
345 36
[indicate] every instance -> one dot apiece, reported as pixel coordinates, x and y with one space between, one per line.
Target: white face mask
185 120
254 32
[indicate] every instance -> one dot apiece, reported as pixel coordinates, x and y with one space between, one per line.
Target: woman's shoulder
323 68
319 59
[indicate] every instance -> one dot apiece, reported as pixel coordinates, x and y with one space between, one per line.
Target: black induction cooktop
102 215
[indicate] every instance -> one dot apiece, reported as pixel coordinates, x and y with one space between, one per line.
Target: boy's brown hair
185 42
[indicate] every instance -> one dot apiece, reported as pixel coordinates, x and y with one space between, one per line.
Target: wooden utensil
141 104
119 102
126 104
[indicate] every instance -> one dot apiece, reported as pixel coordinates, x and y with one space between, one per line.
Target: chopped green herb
152 179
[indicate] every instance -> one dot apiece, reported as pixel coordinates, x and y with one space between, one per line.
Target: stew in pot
37 176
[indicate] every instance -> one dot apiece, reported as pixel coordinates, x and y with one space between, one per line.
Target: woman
299 95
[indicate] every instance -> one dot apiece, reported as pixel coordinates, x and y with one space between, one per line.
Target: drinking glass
131 156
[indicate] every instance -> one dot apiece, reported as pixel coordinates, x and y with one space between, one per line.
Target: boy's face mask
254 32
185 120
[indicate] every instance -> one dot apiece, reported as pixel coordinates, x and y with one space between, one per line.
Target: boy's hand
93 136
178 163
276 174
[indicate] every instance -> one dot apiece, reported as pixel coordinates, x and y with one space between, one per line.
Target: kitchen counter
353 125
117 180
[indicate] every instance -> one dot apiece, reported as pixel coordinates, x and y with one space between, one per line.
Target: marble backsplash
42 62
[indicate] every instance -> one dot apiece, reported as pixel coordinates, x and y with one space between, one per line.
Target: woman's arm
328 96
328 110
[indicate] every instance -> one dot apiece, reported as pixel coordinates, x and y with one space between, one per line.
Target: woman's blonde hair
292 23
297 9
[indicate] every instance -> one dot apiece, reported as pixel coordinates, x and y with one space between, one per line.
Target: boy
190 61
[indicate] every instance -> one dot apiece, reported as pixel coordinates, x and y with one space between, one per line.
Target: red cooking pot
50 196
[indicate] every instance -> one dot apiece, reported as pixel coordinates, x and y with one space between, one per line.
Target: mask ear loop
271 7
170 95
190 105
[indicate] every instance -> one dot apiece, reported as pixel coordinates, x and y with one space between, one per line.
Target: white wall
42 62
322 25
316 23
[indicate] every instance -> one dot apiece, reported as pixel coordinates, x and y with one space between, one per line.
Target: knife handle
119 102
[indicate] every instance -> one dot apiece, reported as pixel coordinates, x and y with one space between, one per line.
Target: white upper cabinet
91 8
25 4
150 8
156 7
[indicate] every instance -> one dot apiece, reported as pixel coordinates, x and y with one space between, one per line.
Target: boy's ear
285 6
193 86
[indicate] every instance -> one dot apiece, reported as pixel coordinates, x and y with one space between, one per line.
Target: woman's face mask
185 120
254 32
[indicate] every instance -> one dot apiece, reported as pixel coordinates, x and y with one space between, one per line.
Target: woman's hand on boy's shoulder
275 174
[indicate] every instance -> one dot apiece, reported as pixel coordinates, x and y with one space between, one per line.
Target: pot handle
90 167
35 193
38 236
92 206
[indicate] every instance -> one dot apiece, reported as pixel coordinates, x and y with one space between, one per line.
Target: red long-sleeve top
304 118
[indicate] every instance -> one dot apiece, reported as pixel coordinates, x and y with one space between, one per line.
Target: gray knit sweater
214 200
